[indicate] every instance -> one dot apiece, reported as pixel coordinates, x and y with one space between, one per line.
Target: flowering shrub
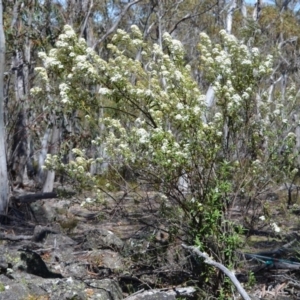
158 123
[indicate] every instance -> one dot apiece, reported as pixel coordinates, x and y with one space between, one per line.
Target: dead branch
226 271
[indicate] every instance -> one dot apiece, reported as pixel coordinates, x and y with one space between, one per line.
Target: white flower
255 51
291 135
177 46
143 135
223 32
116 77
275 227
179 106
35 90
236 98
135 29
196 110
89 51
105 91
177 75
203 35
148 93
219 59
167 36
80 169
262 218
218 116
61 44
245 95
256 162
246 62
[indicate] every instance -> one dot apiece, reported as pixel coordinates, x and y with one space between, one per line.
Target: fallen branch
209 261
29 198
12 237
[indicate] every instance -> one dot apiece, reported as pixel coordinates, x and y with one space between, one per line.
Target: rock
32 263
49 261
152 295
62 289
163 295
49 266
102 238
50 209
107 289
41 232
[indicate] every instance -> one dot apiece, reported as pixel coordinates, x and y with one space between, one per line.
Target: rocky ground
121 248
58 249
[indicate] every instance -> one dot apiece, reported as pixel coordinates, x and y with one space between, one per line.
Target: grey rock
101 238
152 295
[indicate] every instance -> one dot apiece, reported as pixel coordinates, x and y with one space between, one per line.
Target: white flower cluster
234 70
143 135
104 91
174 46
64 90
163 128
273 225
76 66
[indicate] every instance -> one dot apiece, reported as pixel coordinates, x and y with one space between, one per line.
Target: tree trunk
229 16
48 185
42 156
18 155
257 10
3 166
20 151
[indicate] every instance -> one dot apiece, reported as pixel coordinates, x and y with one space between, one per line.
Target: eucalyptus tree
3 164
29 30
20 68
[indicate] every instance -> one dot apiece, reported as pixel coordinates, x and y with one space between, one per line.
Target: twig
209 261
115 25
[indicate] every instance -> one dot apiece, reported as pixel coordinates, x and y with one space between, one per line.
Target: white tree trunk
49 183
230 12
257 10
243 8
20 151
3 165
42 157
